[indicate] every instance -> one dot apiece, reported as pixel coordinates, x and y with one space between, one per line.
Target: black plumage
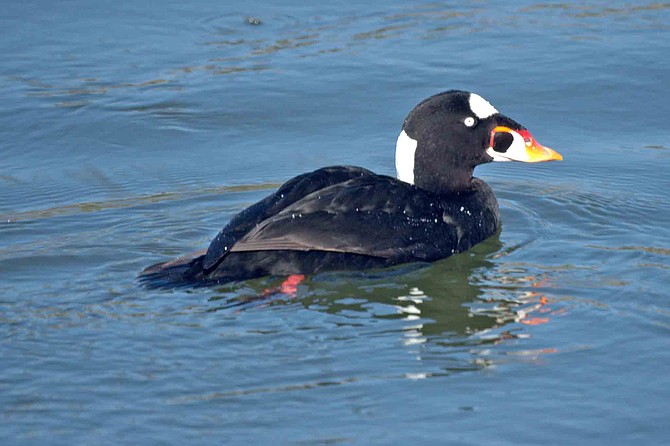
349 218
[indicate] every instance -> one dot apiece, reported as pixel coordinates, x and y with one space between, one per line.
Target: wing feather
291 192
377 217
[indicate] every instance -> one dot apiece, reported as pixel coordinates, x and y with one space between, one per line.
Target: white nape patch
481 107
405 149
515 152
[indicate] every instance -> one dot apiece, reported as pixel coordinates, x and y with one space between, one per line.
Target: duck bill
522 146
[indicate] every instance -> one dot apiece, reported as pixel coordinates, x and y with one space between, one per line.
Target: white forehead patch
405 149
481 107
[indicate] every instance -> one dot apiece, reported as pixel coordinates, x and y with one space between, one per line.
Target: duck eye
469 121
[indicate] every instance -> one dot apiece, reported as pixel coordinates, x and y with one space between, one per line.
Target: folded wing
375 216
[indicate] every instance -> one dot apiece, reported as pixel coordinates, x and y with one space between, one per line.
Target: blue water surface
131 132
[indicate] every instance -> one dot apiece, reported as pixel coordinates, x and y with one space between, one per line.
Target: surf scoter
349 218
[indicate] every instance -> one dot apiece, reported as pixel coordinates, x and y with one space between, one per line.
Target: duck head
447 135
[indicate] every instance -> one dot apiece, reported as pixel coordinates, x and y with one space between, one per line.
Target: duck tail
183 271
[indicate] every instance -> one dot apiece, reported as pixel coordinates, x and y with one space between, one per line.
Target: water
131 134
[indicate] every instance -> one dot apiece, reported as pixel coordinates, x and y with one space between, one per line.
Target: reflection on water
453 315
129 202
